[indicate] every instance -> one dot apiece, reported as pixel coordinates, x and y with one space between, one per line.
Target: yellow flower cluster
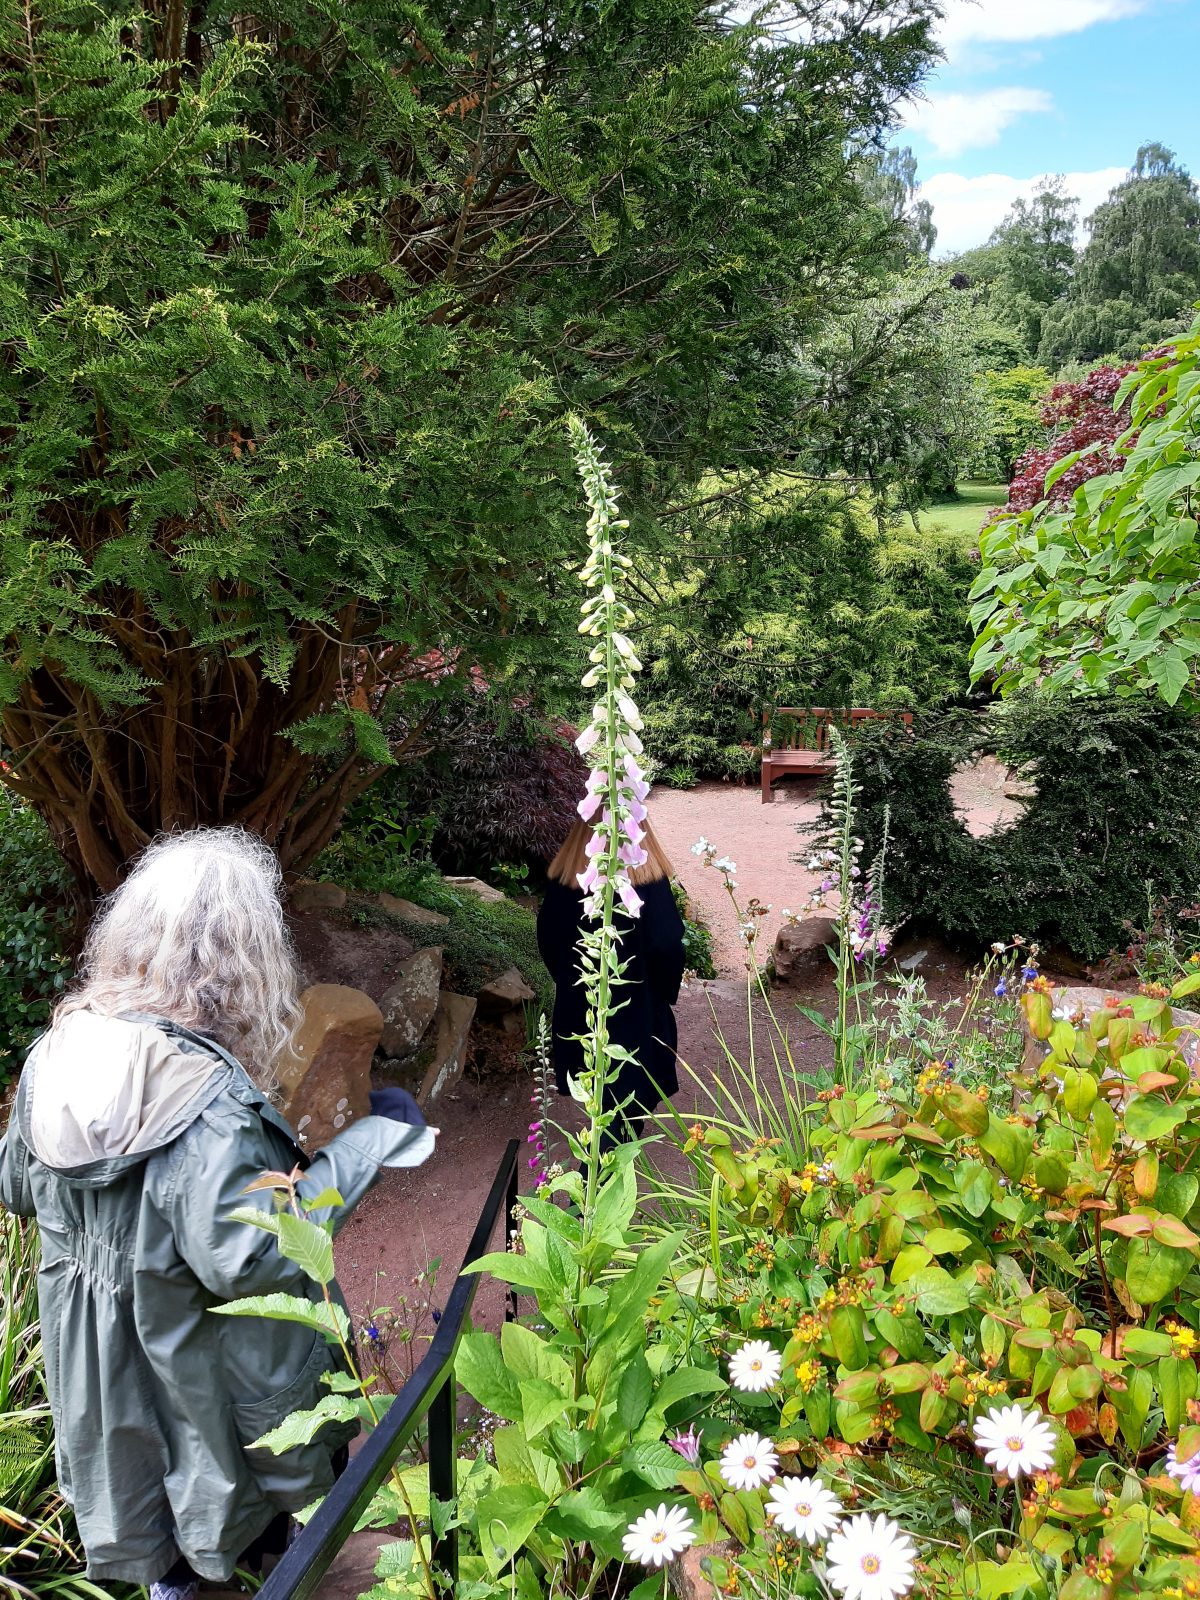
1185 1340
808 1374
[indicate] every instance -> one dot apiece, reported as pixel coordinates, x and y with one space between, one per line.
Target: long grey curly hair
196 934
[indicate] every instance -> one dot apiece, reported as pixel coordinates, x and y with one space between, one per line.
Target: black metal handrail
430 1389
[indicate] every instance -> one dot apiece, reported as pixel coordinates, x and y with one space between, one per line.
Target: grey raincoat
156 1400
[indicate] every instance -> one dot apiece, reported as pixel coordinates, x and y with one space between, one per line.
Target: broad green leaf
633 1392
482 1371
654 1462
938 1294
541 1404
507 1517
307 1244
302 1427
329 1320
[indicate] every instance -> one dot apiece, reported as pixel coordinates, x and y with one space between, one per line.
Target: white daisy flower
870 1558
805 1508
657 1537
756 1366
748 1461
1015 1441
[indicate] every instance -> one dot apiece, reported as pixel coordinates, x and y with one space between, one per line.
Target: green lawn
965 514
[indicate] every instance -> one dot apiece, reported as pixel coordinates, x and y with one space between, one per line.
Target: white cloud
967 209
1017 21
956 122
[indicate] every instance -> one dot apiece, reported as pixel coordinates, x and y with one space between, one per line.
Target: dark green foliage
499 786
821 608
35 924
1112 820
292 303
483 939
1139 274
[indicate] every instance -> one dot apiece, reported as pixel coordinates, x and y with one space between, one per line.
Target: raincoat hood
105 1091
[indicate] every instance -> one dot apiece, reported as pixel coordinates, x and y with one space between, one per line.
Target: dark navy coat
652 947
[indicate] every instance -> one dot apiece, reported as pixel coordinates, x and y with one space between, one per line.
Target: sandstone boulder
325 1079
309 896
477 887
410 1004
407 911
799 951
508 992
439 1063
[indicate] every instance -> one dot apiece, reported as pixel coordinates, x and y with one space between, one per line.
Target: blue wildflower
436 1314
373 1333
1001 989
1029 973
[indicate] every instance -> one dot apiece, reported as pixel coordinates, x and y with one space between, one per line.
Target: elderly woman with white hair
142 1115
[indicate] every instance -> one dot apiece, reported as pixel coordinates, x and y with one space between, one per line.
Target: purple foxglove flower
632 830
588 806
594 847
630 898
588 740
687 1445
589 878
633 855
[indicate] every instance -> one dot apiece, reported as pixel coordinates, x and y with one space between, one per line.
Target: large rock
508 992
686 1579
309 896
410 1004
439 1063
325 1079
477 887
1078 1004
799 951
408 911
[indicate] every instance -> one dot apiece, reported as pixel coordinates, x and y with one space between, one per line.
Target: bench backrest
807 727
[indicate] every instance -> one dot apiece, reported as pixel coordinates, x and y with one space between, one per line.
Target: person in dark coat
652 949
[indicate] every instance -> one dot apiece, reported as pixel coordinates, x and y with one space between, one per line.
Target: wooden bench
796 738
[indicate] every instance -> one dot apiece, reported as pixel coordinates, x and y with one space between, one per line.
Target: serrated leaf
329 1320
302 1427
654 1462
308 1245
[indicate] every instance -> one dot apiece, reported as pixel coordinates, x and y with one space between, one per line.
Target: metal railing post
511 1198
443 1471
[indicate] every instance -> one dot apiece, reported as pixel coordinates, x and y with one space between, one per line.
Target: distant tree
890 182
1014 400
1139 274
1036 260
900 409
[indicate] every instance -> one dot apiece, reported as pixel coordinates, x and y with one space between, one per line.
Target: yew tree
292 303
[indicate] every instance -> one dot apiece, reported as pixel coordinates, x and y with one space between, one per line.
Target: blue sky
1034 87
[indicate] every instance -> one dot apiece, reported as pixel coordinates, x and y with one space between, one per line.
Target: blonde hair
196 934
572 858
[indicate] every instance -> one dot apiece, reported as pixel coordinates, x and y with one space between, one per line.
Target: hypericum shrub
34 924
1112 816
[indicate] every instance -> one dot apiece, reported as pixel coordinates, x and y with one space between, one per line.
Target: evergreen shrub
830 611
1111 822
34 927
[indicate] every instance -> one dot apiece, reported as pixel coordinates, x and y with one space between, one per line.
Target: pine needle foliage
291 303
